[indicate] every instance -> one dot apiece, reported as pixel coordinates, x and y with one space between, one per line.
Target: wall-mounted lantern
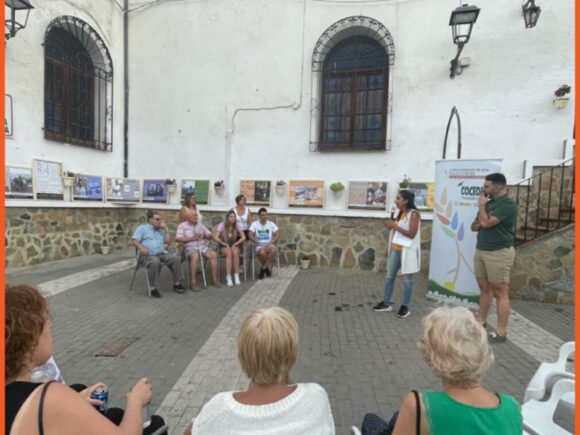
461 21
18 17
531 13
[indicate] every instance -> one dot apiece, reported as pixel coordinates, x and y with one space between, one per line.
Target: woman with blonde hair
273 404
53 408
455 346
230 236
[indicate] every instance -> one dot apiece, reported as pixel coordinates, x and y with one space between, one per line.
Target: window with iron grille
78 85
354 94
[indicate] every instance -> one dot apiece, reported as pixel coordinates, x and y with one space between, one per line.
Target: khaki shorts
495 266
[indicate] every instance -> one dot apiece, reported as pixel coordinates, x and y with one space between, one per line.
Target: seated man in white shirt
264 234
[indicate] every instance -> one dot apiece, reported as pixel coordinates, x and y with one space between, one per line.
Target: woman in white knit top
267 350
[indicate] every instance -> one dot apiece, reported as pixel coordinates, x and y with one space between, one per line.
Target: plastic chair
355 431
538 416
202 260
137 266
549 373
253 248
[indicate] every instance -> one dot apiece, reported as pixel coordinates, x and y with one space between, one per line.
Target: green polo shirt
501 235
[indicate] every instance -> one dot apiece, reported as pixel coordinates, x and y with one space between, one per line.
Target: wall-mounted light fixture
461 22
531 13
16 22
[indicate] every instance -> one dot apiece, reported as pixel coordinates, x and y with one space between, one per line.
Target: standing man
494 254
150 239
264 234
195 237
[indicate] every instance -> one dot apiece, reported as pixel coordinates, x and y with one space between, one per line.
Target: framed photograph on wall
18 183
257 192
123 190
370 195
88 188
155 191
306 193
200 188
47 179
424 194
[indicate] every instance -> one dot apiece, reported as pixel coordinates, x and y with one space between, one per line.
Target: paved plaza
186 343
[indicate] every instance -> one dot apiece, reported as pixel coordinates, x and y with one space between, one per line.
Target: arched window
352 77
354 90
78 85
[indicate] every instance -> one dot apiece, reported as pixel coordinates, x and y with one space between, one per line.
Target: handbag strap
418 402
40 406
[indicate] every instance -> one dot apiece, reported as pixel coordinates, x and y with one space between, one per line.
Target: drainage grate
117 346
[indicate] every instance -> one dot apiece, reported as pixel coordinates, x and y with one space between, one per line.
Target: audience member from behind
273 404
150 239
189 203
243 214
264 234
195 237
455 346
230 236
53 408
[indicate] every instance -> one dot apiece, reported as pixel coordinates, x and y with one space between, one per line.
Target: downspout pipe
456 113
126 88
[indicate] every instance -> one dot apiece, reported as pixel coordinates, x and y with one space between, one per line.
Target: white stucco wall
193 65
24 65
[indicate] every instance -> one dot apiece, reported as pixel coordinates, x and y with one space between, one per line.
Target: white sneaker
229 282
237 279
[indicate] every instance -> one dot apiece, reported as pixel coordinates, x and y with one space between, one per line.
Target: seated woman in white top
272 405
243 214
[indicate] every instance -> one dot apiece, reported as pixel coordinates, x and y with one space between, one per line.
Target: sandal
494 337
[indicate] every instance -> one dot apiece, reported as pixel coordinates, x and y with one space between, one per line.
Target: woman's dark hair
187 200
239 198
410 198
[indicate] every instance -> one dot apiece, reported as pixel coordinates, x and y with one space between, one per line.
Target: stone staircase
545 201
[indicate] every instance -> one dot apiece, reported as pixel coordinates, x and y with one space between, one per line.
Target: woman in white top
267 350
243 214
189 203
404 251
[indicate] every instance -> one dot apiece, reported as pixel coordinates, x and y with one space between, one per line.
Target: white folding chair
549 373
538 416
253 248
137 266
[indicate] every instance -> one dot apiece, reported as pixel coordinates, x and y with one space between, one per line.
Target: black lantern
461 21
12 25
531 13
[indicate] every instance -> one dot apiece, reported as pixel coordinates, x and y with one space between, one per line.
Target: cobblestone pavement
186 342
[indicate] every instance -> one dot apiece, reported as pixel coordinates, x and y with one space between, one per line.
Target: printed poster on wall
257 192
371 195
424 194
458 184
18 183
47 178
123 190
87 188
306 193
155 191
200 188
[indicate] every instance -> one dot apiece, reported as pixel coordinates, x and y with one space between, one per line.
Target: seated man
195 237
264 234
151 239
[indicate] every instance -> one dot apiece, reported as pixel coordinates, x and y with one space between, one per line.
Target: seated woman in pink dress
229 236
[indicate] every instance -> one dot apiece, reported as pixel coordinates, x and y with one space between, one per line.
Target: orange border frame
576 187
2 229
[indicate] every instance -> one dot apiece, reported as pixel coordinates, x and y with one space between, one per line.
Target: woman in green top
455 345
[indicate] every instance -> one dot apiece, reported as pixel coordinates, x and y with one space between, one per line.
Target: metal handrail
529 194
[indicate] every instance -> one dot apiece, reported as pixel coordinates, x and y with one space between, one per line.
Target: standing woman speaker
404 251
